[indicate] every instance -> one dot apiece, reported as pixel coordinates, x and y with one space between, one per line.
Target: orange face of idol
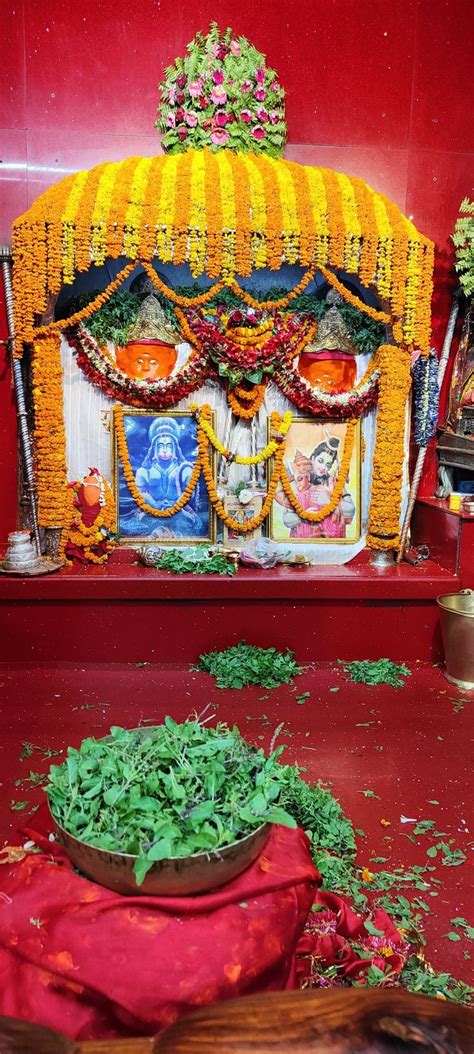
149 361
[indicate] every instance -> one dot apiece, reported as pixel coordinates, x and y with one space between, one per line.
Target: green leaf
452 936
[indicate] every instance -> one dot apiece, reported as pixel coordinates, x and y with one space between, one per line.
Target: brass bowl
179 876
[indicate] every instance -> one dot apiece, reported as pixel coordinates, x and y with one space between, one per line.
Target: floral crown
221 94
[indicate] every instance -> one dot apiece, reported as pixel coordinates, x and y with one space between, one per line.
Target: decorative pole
25 442
443 362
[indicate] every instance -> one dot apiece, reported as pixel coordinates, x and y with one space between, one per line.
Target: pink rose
260 94
182 133
235 48
219 95
246 116
258 132
262 114
203 102
195 88
179 114
260 75
217 76
274 117
275 86
172 96
181 80
222 51
219 136
170 120
179 97
222 118
246 86
190 118
208 123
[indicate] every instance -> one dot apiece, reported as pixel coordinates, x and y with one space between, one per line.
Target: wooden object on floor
339 1021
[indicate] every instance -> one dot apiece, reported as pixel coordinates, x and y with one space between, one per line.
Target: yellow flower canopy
224 214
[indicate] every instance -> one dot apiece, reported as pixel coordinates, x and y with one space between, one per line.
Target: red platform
130 613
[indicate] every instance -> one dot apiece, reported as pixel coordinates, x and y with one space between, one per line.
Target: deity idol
328 362
150 352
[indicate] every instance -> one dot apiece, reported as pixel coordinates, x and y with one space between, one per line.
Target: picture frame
162 448
236 509
312 459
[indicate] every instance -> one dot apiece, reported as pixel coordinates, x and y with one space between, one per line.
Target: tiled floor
410 746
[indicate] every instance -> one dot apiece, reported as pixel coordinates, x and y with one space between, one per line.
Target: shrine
236 451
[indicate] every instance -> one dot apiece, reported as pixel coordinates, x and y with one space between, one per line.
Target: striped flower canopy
224 214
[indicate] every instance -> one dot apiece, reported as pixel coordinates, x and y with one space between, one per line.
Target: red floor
409 746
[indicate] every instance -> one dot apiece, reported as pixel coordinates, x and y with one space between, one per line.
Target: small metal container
457 627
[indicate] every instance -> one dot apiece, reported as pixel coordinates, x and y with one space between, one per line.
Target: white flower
245 495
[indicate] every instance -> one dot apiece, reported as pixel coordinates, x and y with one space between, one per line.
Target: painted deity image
313 469
162 451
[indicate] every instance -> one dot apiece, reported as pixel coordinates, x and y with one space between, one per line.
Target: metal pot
457 627
175 877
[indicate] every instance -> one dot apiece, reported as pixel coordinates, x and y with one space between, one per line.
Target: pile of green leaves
170 791
377 671
246 664
196 561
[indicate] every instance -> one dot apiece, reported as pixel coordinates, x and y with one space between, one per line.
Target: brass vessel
457 627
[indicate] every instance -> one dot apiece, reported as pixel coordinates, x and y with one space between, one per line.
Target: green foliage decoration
463 239
222 94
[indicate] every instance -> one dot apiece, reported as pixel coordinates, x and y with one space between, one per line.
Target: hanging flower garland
158 395
236 213
236 362
389 453
245 404
425 398
340 406
238 459
49 434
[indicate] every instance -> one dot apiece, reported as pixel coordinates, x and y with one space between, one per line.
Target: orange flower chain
279 426
389 453
225 215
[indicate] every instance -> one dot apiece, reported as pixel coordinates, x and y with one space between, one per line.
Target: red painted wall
377 88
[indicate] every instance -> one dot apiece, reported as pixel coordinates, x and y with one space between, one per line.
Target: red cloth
80 959
336 936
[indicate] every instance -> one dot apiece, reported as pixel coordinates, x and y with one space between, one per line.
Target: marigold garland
246 404
238 459
49 434
389 453
224 214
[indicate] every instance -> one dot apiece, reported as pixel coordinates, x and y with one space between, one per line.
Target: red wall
377 88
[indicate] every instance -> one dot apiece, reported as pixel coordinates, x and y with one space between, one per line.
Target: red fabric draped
80 959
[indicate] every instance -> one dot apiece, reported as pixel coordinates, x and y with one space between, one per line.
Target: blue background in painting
194 520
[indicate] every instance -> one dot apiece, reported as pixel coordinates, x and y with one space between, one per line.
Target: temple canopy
224 214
